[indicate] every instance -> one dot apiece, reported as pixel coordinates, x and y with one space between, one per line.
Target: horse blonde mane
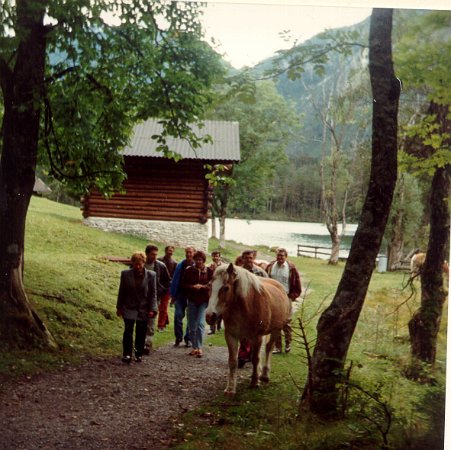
247 280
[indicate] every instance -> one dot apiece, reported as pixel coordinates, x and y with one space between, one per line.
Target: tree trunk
396 244
22 88
222 242
337 324
214 233
425 323
335 251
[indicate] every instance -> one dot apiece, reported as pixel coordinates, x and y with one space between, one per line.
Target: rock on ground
106 404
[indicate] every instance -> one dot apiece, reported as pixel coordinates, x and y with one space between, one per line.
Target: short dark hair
150 248
200 254
248 252
216 253
282 250
169 246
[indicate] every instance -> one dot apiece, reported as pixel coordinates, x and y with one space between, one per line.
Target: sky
248 31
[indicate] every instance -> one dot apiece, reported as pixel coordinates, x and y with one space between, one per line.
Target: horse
252 307
416 265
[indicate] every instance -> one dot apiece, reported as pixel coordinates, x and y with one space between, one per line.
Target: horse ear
230 269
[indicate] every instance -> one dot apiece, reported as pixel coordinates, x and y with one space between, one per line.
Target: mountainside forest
306 135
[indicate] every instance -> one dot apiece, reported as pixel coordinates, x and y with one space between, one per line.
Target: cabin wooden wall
157 189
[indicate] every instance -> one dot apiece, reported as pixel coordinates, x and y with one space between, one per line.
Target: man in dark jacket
180 299
163 281
136 303
285 272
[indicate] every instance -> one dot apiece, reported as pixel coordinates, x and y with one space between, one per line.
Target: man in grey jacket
136 303
163 281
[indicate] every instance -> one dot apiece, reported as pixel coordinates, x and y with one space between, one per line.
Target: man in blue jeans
180 299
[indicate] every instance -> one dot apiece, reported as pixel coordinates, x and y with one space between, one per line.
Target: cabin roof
225 145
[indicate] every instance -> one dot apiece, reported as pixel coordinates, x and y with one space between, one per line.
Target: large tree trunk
22 88
425 323
336 325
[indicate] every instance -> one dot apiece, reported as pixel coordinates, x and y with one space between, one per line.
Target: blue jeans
180 304
196 323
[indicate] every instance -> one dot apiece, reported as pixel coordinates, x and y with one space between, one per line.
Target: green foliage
407 205
426 34
429 79
109 65
267 126
316 52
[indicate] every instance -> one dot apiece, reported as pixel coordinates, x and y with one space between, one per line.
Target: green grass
72 286
74 290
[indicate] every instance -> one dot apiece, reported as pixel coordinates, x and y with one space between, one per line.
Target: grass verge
74 289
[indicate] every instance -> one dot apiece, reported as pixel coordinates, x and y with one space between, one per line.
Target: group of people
147 288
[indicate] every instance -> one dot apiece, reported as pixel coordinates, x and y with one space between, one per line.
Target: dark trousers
140 337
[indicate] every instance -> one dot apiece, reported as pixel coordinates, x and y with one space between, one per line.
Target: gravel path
105 404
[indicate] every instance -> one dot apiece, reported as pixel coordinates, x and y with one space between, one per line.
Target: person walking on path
196 283
248 258
285 272
216 262
171 264
163 281
180 299
136 303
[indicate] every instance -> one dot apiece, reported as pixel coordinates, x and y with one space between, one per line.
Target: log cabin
165 201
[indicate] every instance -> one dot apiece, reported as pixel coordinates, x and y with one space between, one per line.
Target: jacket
176 288
135 302
294 280
192 276
163 277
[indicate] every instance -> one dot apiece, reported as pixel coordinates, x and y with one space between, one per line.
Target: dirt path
105 404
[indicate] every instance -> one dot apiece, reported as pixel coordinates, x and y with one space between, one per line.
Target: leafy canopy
109 65
429 76
268 124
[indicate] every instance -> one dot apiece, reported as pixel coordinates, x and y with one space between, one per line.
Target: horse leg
264 377
256 345
232 345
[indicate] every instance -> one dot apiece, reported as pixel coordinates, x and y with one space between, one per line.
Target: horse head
222 291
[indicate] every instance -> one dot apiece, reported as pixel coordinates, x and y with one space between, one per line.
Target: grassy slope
74 290
72 286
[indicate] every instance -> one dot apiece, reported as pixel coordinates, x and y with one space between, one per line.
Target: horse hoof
229 394
264 379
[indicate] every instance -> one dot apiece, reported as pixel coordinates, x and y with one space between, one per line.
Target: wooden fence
313 250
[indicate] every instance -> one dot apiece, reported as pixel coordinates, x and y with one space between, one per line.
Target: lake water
283 234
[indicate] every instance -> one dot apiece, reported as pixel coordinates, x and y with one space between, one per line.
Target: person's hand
152 314
119 313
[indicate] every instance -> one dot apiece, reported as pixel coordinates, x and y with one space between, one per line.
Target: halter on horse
251 307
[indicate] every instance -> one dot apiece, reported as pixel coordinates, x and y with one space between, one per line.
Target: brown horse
251 307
